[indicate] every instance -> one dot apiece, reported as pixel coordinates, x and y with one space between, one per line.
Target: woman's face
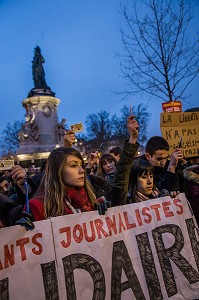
145 183
73 173
108 166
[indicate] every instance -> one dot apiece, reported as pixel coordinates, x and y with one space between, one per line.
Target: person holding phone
134 179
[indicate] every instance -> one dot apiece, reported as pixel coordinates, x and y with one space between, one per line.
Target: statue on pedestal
30 113
38 70
29 132
40 85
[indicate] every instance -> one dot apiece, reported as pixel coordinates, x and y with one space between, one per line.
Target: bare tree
9 138
159 57
98 126
119 123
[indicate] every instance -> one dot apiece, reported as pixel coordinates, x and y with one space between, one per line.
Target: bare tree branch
159 57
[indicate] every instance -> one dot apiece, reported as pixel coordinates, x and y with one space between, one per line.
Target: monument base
41 92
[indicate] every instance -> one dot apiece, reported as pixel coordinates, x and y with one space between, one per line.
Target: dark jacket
191 175
119 192
101 186
10 211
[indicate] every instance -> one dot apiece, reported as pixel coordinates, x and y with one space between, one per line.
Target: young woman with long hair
64 188
107 166
141 183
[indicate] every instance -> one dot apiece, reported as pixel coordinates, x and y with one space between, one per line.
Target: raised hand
18 175
132 126
93 159
175 156
101 204
69 138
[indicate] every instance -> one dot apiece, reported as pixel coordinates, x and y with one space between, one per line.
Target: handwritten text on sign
148 250
181 125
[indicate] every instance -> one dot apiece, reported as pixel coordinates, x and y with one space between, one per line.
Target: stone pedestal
41 132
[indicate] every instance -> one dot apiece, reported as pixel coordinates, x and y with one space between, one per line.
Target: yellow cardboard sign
6 164
77 127
183 125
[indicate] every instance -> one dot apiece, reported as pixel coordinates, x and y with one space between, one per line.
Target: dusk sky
79 41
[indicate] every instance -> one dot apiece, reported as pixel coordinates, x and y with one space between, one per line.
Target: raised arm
132 126
69 138
119 191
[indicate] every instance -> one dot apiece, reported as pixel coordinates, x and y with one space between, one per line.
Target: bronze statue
40 85
38 70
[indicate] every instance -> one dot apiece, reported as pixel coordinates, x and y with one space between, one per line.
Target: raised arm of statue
38 70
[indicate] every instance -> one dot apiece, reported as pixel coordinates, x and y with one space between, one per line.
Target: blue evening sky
79 40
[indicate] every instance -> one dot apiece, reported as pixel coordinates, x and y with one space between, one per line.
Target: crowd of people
65 184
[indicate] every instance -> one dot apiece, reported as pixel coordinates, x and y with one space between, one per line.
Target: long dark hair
52 189
105 157
140 167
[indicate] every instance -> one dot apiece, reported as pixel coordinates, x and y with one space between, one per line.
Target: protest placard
6 164
26 257
148 250
183 125
138 251
77 127
172 106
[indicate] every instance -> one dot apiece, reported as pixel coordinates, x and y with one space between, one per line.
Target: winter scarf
139 197
78 200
